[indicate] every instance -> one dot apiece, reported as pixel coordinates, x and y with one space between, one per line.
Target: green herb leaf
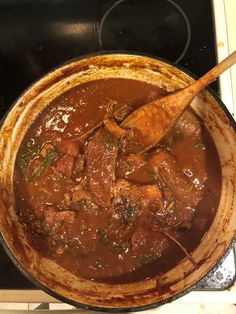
38 227
119 249
103 235
151 174
44 164
144 259
161 224
130 212
26 153
120 146
109 139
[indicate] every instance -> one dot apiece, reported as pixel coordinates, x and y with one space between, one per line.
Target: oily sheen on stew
97 209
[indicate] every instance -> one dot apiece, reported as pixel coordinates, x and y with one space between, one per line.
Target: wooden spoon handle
213 74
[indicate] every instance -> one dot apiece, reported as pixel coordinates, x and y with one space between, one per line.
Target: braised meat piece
132 207
186 194
54 220
189 125
101 155
135 168
65 164
166 167
68 147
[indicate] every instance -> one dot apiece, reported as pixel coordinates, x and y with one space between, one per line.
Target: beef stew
101 212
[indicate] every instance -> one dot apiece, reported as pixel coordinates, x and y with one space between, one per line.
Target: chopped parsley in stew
100 211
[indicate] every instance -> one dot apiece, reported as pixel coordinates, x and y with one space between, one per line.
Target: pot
80 292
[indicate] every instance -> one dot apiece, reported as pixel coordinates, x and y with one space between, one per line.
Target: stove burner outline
116 3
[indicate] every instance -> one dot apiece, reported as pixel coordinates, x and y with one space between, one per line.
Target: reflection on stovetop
180 31
159 27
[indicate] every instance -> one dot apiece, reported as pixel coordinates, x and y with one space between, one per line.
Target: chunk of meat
166 167
39 210
152 193
129 194
121 186
188 125
81 199
68 147
79 194
65 165
54 219
132 206
101 156
182 216
79 165
66 216
133 142
186 193
135 168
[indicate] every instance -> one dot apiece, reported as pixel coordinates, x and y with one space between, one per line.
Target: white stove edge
225 23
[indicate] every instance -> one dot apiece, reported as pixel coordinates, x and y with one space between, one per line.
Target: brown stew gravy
101 213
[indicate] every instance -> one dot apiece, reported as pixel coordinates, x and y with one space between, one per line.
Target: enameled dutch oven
150 293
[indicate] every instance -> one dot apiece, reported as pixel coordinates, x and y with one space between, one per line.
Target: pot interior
63 284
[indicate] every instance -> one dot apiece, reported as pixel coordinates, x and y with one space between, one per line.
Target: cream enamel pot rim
142 295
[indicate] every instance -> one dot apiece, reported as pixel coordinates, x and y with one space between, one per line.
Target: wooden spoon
153 120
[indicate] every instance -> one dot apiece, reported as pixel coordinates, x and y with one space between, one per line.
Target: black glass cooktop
36 36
